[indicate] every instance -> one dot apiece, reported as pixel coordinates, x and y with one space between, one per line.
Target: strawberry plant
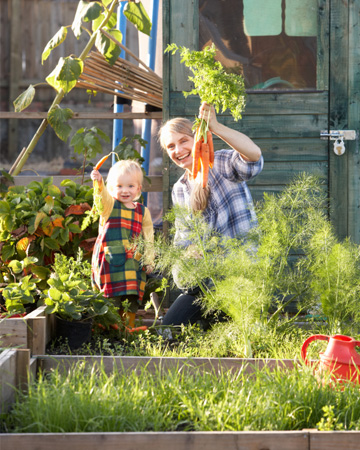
39 220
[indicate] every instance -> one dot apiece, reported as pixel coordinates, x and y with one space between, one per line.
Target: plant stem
16 168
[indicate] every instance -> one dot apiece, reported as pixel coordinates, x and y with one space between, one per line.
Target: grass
87 399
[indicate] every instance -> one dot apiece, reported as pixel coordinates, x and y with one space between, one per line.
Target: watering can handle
315 337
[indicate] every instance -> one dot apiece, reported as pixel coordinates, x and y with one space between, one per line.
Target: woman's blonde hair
199 196
125 166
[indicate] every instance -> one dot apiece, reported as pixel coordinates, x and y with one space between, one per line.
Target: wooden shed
301 64
300 61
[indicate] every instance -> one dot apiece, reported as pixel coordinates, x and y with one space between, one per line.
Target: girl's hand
148 269
96 175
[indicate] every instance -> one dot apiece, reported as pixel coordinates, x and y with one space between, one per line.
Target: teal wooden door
301 63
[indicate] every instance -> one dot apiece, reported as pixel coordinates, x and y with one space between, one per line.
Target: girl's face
126 188
178 147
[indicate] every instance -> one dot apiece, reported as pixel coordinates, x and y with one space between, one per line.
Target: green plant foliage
135 13
21 294
292 256
107 47
25 99
55 41
85 12
134 401
39 220
58 118
66 73
211 81
69 294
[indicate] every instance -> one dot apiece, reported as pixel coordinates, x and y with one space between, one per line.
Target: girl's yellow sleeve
148 233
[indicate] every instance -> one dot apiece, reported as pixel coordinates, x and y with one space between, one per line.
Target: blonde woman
226 202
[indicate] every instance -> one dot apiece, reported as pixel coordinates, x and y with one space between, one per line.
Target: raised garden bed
33 331
306 439
244 440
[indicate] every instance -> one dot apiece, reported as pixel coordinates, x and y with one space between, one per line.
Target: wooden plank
334 440
322 54
25 332
193 440
84 115
260 103
183 28
7 379
155 184
292 149
22 369
352 147
15 71
282 173
13 332
339 98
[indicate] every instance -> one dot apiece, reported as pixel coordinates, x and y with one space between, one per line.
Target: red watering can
340 356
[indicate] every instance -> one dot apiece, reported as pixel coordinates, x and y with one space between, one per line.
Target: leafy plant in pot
74 307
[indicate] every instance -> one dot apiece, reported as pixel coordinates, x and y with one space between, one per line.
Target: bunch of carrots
202 152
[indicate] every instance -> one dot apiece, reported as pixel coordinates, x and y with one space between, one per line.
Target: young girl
116 269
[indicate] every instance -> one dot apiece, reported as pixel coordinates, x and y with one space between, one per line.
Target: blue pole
146 131
118 106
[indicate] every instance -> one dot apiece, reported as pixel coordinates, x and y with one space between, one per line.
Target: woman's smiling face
179 147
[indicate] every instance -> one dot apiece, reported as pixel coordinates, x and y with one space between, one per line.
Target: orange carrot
204 163
101 162
211 149
196 157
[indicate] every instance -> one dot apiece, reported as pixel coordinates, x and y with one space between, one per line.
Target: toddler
116 268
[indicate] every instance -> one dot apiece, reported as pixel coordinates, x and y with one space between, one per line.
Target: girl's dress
116 270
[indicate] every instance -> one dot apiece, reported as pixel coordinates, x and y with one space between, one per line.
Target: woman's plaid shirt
230 210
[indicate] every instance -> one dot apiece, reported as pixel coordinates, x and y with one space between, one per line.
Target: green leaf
54 191
4 207
136 14
24 99
41 272
56 40
66 74
54 294
51 243
74 228
39 217
110 24
108 48
57 118
86 12
16 266
7 252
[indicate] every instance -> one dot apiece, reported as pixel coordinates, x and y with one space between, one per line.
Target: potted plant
70 298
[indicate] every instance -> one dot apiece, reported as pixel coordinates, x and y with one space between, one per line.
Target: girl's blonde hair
125 166
199 196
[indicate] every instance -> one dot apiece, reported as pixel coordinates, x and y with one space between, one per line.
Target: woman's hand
235 139
96 175
207 112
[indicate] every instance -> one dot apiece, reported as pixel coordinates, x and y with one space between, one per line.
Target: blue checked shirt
230 209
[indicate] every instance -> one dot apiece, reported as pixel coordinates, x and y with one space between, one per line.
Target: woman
226 202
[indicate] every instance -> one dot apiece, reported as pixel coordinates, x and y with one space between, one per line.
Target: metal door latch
339 136
347 135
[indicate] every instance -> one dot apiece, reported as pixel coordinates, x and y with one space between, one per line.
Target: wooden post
15 72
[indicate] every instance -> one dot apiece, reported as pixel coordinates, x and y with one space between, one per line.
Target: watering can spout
340 356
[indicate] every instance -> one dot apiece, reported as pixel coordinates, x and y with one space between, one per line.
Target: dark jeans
185 309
